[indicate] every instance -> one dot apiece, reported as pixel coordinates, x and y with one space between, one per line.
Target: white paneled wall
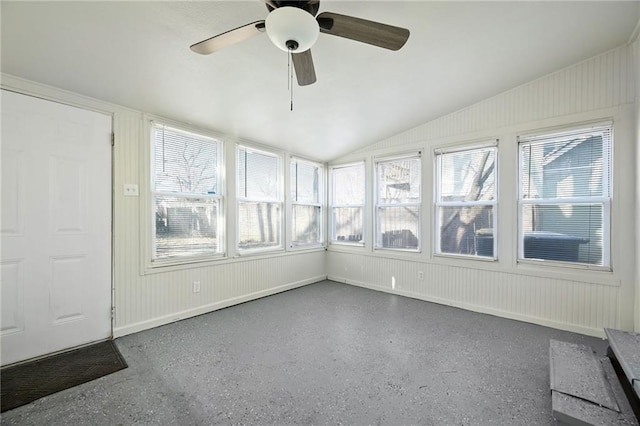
598 83
602 87
586 301
144 298
561 303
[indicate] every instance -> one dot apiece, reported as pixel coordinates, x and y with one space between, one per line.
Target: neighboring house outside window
565 196
347 203
187 201
306 180
259 194
398 197
466 200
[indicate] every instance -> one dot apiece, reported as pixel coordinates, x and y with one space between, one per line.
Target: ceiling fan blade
228 38
303 64
370 32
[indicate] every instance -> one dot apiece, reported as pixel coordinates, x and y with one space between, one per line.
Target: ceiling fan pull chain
290 79
288 69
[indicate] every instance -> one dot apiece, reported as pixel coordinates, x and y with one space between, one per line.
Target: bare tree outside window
466 199
186 197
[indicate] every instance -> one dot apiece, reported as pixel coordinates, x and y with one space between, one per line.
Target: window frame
332 238
247 200
606 201
320 203
491 144
221 252
377 205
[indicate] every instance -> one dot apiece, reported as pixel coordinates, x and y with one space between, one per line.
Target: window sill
211 262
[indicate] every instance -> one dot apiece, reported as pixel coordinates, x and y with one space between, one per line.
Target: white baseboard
177 316
574 328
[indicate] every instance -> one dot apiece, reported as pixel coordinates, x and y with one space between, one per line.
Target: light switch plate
131 190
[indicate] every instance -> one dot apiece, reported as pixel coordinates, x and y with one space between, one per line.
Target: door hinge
113 313
113 139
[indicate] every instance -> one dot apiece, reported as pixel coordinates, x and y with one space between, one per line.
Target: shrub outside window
186 194
259 200
347 203
466 199
565 196
398 197
306 203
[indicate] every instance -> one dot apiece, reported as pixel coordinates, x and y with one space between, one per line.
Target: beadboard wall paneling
601 88
605 81
160 298
566 304
144 300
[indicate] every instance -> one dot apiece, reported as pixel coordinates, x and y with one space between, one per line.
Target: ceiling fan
294 27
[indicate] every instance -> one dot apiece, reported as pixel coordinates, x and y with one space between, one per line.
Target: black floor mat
25 383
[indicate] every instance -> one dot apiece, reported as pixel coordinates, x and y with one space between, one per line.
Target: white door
55 272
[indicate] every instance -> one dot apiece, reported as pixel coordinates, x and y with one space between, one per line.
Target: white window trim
438 152
377 206
280 200
321 203
563 132
331 237
147 235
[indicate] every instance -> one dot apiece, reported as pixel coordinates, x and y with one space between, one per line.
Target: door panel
56 227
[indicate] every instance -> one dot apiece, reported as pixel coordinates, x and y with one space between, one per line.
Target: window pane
348 185
259 225
399 227
570 174
183 162
257 175
306 225
347 222
305 181
563 232
565 167
185 227
466 230
467 175
399 181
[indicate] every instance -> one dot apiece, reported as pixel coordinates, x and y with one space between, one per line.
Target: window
306 203
259 200
186 194
347 203
397 207
466 201
565 196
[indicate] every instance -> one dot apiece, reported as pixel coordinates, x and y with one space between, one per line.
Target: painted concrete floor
327 353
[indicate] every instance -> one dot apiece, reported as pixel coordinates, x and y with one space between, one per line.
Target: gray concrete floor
327 353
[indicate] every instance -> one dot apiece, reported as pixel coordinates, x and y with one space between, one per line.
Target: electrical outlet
196 286
130 190
421 275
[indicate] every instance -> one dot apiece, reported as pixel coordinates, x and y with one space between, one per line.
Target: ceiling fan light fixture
291 28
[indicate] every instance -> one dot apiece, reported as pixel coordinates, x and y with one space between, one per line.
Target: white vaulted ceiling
136 54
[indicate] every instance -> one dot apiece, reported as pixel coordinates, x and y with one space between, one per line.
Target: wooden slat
569 410
576 371
626 348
